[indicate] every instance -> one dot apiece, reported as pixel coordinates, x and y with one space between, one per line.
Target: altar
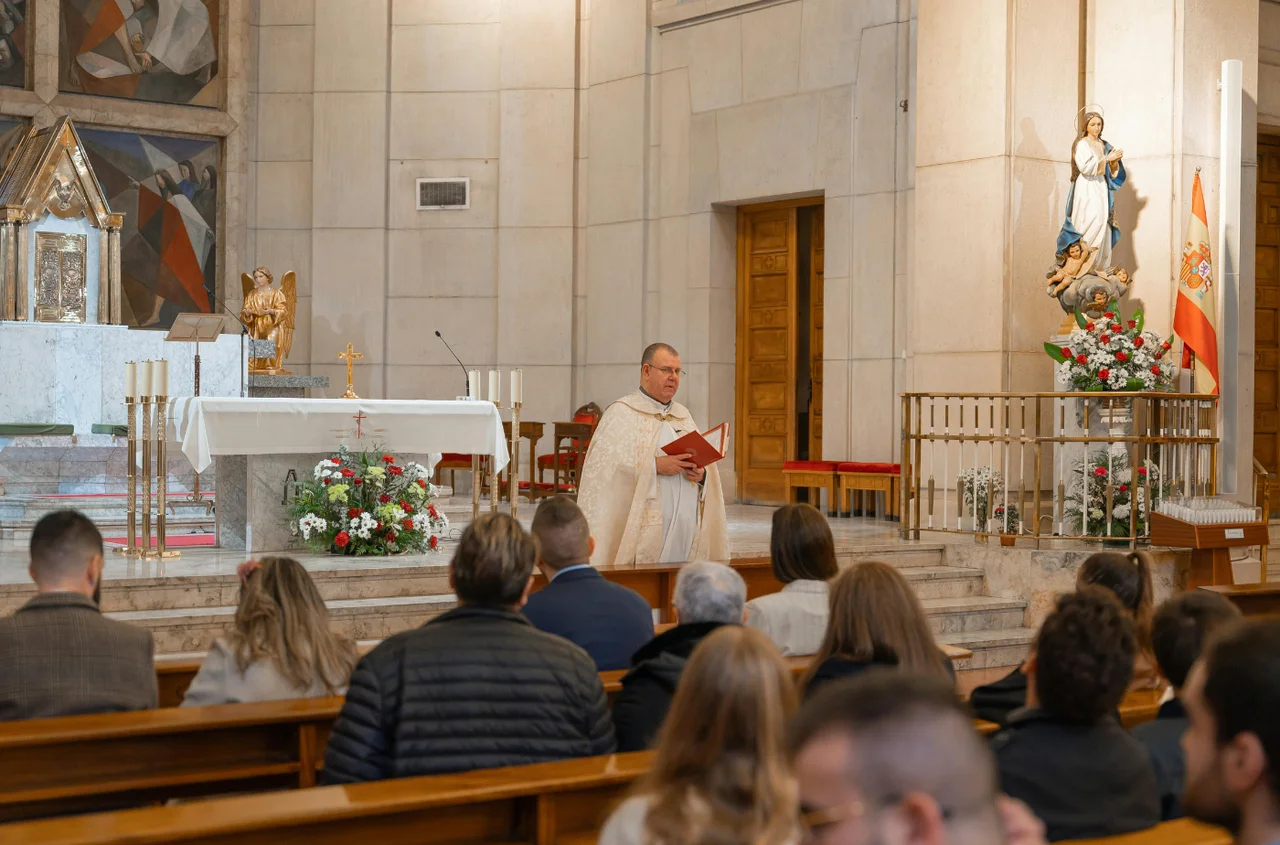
261 442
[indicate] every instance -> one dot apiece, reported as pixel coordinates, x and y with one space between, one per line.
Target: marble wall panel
1045 96
413 381
351 45
1139 113
407 12
955 110
617 165
674 156
536 158
837 316
619 39
29 387
546 399
348 291
402 182
537 48
285 59
283 131
704 162
829 44
615 287
79 382
444 126
871 398
722 326
836 411
368 379
284 194
875 143
603 383
872 288
715 64
834 157
469 324
1039 193
672 264
442 262
285 12
535 293
445 57
349 177
768 149
771 52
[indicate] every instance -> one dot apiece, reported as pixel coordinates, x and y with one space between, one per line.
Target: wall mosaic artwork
162 51
167 188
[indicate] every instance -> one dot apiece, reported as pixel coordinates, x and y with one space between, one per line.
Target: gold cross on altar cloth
350 355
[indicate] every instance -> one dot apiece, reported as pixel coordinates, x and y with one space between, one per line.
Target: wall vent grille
438 194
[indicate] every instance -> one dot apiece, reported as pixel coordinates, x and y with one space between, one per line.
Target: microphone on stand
466 380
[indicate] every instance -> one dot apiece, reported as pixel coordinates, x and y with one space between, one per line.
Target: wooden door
1266 354
815 334
766 351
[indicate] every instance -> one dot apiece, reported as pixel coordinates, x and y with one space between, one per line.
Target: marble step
945 582
187 629
186 521
193 629
994 649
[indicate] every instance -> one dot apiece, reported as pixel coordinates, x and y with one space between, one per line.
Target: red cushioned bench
857 478
813 475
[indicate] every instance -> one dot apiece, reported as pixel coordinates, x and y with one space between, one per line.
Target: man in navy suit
608 620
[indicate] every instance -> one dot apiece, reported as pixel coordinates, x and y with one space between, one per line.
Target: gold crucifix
350 355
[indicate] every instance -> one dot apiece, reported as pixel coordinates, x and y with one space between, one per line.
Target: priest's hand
696 474
675 464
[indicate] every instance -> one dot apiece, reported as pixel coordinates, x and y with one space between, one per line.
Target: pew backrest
1178 832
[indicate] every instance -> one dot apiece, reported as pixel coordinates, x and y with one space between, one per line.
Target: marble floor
749 527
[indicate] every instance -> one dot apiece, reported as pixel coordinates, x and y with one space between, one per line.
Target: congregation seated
1065 754
60 655
1179 631
280 645
1125 576
876 620
475 688
1232 741
892 756
802 553
707 596
720 773
608 620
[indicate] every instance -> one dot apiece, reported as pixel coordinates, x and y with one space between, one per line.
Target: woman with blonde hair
721 772
280 645
876 620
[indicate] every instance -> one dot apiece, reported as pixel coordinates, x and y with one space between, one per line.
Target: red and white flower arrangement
1111 353
367 504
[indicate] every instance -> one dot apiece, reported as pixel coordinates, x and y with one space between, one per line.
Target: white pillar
1228 272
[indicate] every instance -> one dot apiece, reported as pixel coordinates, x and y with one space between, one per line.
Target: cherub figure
1075 262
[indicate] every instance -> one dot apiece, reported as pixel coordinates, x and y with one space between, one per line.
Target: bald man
889 758
58 655
643 505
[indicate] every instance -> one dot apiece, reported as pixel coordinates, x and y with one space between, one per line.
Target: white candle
473 384
495 387
517 386
130 379
160 378
144 377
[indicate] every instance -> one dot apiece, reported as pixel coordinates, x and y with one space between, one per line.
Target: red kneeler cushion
455 458
856 466
810 466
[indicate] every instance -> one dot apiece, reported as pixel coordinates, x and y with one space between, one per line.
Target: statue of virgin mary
1096 172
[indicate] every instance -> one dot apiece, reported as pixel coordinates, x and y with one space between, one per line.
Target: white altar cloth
207 426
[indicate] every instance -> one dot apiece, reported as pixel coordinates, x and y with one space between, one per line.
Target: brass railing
1081 466
1262 481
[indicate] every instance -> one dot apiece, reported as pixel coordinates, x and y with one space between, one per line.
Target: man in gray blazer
58 655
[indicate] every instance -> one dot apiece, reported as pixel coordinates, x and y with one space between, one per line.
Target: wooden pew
1179 832
72 763
541 804
1251 599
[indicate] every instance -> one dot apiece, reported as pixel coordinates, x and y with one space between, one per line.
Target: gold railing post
145 545
1035 488
162 478
916 465
475 487
514 472
131 477
905 474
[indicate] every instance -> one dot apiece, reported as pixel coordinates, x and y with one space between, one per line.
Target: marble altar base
93 464
74 373
285 387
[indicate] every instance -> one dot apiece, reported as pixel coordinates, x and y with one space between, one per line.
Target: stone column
1154 66
7 287
113 269
104 277
21 285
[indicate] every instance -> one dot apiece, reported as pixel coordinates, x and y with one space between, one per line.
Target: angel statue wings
269 313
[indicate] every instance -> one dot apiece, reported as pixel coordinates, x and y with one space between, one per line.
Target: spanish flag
1195 316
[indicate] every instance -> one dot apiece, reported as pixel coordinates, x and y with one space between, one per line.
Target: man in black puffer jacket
476 688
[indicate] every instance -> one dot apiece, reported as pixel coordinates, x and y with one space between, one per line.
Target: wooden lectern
196 327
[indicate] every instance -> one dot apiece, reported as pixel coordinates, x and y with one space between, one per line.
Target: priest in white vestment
643 505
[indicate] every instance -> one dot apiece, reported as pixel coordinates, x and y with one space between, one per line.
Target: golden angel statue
269 313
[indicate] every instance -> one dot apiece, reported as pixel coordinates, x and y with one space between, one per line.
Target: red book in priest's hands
706 448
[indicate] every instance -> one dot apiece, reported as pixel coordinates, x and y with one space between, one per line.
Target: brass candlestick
162 476
495 480
131 475
475 487
146 476
515 460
